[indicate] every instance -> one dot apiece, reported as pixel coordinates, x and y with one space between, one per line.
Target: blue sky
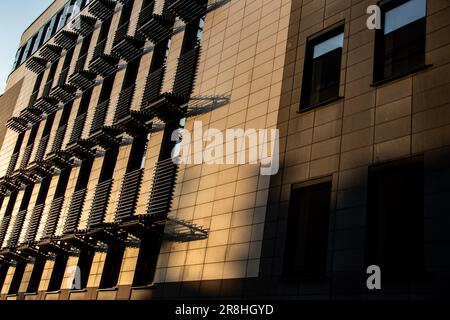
15 17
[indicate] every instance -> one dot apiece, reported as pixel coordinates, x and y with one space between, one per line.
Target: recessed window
307 234
400 44
395 221
322 71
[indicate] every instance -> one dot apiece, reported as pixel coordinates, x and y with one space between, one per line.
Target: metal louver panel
66 39
153 86
82 79
186 72
59 138
34 223
128 194
12 241
154 27
74 213
102 63
50 52
124 103
26 156
12 164
33 98
4 228
37 65
17 124
126 46
163 188
31 115
99 117
100 203
84 25
102 9
46 104
188 10
41 149
63 92
77 129
53 217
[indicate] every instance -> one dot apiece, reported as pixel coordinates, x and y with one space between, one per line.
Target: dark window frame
379 77
315 266
305 99
375 252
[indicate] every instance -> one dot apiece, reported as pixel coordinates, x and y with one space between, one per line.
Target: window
36 275
17 277
400 44
58 271
322 70
51 28
18 58
57 22
307 234
63 15
113 263
26 52
395 219
36 40
147 259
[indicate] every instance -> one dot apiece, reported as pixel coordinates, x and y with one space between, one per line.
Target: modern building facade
94 208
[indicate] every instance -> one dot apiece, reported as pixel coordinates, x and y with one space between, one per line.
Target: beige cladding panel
69 274
26 277
8 280
172 61
46 275
95 274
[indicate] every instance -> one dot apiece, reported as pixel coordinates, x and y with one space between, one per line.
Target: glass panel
18 57
404 14
37 42
26 52
50 29
328 45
